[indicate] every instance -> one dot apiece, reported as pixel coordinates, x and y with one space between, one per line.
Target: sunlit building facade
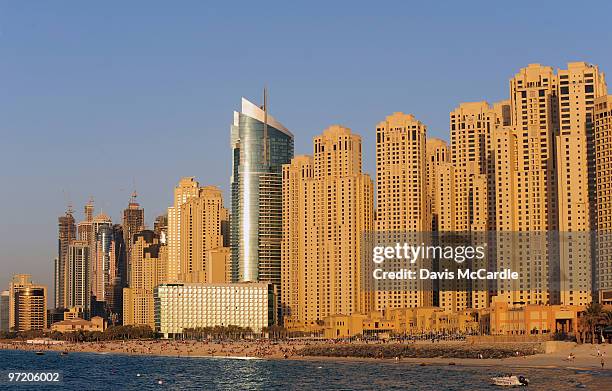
603 154
27 304
260 146
184 306
148 268
327 210
402 202
78 286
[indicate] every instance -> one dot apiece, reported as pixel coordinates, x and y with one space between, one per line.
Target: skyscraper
438 156
545 169
471 127
328 208
200 232
78 286
4 310
297 196
473 171
578 87
66 234
149 268
133 221
102 263
602 119
85 227
160 227
187 188
402 202
118 276
104 271
260 146
27 304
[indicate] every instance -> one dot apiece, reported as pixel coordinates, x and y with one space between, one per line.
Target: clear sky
95 95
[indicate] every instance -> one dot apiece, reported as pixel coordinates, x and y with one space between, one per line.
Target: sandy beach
585 356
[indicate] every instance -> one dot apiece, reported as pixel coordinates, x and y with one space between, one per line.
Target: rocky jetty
422 350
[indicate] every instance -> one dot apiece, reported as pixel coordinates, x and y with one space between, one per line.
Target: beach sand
586 356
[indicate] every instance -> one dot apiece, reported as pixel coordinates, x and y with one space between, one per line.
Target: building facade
328 209
4 310
201 232
260 147
187 188
27 304
403 207
78 286
149 267
603 155
133 221
184 306
66 234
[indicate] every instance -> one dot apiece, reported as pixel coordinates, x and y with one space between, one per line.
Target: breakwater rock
422 351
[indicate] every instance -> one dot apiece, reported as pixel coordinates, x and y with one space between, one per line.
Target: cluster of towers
539 162
92 264
530 176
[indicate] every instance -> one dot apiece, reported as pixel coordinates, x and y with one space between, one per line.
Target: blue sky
95 95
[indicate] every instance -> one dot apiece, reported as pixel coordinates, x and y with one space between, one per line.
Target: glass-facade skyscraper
260 147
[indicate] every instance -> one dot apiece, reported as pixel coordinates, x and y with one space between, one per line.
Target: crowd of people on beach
178 348
256 348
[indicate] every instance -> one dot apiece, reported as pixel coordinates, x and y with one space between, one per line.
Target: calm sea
88 371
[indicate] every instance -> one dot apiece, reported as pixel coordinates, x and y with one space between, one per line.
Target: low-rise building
183 306
77 324
532 319
400 321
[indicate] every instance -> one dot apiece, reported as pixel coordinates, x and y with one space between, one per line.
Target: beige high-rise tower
525 188
544 176
27 304
472 125
328 206
401 175
200 232
187 188
534 112
438 159
442 204
298 192
578 87
148 268
603 152
402 206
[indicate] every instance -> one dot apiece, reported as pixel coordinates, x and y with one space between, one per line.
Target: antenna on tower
69 209
134 193
265 129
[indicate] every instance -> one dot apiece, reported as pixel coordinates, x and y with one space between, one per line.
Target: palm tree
607 317
593 315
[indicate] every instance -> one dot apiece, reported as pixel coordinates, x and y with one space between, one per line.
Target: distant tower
78 286
103 260
133 222
89 209
66 234
160 227
85 228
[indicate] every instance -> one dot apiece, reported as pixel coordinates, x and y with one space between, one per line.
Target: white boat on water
510 381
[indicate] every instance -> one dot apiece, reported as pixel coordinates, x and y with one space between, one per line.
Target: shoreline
586 356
